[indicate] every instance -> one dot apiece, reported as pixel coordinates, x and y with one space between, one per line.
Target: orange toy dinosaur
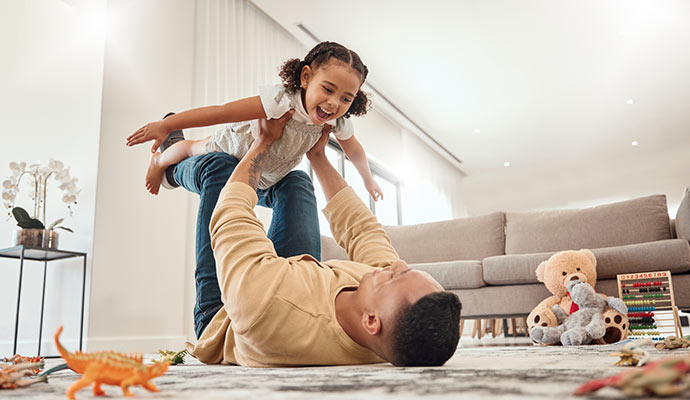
110 368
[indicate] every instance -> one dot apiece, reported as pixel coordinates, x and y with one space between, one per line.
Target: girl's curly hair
321 53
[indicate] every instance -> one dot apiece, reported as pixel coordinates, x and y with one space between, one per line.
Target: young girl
323 90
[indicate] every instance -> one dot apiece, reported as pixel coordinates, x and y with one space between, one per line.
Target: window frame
376 170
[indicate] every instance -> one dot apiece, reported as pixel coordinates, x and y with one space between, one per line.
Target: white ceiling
541 84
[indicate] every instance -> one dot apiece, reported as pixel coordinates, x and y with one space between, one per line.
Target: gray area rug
495 372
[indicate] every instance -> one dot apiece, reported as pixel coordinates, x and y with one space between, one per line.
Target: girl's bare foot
154 174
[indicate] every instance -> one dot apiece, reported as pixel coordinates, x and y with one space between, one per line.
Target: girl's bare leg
171 156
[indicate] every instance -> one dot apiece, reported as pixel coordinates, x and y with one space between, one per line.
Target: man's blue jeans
294 226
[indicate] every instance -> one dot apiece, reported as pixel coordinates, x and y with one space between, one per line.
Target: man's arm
246 261
330 179
354 227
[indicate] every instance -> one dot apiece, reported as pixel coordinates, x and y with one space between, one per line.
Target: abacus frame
645 277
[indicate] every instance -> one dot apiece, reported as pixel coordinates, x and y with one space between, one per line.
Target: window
388 210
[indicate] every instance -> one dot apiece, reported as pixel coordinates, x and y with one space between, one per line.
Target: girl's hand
152 131
374 189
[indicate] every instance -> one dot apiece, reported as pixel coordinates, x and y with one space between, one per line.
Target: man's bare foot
154 174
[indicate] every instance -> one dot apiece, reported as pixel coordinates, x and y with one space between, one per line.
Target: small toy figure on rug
632 354
20 372
556 272
171 357
672 343
584 325
110 368
17 359
666 377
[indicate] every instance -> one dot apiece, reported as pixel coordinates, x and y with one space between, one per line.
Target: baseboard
138 344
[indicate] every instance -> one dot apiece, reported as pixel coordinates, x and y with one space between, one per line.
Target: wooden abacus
652 311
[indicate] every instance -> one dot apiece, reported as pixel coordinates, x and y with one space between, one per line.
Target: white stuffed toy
584 325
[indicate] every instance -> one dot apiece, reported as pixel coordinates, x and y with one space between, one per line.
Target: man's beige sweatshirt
281 311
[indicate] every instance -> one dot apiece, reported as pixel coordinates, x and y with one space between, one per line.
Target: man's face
385 290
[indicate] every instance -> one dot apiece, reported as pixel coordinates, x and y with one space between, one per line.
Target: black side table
40 254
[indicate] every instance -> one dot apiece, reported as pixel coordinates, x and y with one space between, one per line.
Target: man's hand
319 148
152 131
270 130
255 161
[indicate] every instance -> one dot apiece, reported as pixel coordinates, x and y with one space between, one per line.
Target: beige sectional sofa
489 261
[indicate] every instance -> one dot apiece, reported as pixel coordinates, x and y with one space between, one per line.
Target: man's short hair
427 332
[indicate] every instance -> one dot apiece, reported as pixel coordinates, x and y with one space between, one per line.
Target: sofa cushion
501 301
450 274
519 300
471 238
683 217
672 255
627 222
454 274
665 255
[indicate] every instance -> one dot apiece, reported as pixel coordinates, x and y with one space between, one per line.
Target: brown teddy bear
556 272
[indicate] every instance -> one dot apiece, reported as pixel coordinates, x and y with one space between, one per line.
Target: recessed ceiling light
630 101
477 131
506 164
634 143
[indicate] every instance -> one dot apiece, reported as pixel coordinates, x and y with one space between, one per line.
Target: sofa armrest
682 222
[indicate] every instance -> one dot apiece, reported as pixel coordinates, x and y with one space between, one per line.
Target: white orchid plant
39 175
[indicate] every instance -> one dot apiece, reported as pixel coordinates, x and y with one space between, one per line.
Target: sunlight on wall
50 108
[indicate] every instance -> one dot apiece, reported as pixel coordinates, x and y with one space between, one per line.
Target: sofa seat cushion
628 222
454 274
672 255
501 301
519 300
471 238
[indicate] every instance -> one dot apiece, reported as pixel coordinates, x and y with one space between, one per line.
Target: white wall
141 242
381 137
50 104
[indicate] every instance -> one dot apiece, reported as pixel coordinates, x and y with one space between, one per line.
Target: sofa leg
513 326
462 325
498 327
524 327
479 327
492 327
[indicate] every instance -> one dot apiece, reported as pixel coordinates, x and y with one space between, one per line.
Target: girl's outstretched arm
355 152
235 111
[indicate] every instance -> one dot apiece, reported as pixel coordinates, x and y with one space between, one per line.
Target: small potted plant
32 231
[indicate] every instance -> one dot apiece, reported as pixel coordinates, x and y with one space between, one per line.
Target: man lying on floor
299 311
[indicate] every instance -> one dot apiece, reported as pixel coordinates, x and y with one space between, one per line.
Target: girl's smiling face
328 91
